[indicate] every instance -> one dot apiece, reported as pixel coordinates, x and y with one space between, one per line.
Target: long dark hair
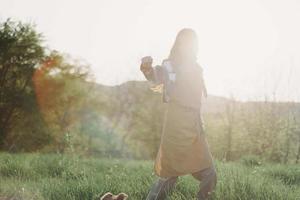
185 48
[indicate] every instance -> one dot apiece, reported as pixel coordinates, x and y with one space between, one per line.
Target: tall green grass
55 177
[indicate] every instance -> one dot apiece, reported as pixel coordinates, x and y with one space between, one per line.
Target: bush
289 175
251 161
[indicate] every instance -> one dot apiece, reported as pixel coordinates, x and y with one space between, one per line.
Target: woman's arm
147 69
153 74
204 90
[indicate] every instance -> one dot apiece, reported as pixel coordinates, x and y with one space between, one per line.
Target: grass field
55 177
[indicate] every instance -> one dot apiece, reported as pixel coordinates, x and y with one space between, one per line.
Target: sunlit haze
248 49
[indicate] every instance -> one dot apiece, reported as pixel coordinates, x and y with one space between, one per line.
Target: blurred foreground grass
55 177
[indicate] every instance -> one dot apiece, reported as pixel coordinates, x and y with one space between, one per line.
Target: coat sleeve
204 90
153 74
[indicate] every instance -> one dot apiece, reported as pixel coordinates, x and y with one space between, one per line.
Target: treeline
269 130
49 103
40 89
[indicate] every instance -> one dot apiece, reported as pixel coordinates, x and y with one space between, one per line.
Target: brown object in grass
110 196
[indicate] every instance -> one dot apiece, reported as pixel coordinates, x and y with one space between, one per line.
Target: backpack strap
169 79
170 72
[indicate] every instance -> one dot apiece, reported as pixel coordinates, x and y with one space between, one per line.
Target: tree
61 91
230 110
20 52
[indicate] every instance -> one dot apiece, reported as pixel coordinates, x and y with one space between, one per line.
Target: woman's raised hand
146 63
147 59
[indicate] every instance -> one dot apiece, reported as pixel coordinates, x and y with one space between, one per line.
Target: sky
249 50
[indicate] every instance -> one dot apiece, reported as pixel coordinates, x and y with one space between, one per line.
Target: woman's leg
208 178
161 188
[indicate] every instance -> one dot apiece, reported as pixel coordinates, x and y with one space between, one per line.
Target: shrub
251 161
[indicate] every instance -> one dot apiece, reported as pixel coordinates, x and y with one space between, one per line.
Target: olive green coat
183 148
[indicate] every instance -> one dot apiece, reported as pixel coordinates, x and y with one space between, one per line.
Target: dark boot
161 188
208 181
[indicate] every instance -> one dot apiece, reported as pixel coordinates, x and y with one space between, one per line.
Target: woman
183 148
